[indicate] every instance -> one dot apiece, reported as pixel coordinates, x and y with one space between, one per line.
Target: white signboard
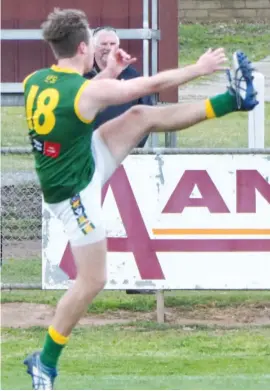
178 222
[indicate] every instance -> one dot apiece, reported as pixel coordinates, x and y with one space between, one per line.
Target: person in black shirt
105 38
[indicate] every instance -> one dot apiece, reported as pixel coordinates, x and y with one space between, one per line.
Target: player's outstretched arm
102 93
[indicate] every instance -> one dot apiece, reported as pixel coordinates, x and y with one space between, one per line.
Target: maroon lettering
181 197
248 181
144 249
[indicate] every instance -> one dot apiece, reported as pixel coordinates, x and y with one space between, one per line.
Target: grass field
212 340
143 354
252 38
139 356
117 300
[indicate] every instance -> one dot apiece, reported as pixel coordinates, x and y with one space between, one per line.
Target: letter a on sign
181 197
137 241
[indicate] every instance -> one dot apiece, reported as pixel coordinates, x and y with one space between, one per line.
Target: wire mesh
21 220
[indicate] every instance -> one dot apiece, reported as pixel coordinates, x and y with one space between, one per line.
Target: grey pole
145 41
154 136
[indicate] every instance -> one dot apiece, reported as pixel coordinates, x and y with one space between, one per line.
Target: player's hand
212 61
118 60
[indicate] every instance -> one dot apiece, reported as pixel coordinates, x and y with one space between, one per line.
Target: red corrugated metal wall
19 58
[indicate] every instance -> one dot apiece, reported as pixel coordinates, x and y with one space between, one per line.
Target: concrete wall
203 10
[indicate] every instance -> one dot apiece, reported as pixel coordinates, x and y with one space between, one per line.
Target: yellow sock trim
56 337
209 110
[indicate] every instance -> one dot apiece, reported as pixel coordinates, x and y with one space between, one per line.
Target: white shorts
82 214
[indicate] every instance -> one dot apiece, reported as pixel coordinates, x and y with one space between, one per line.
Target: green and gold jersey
60 136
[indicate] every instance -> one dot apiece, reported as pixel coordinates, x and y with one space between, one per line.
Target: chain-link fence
21 218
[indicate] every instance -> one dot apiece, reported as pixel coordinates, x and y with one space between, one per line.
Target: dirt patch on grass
21 250
26 315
